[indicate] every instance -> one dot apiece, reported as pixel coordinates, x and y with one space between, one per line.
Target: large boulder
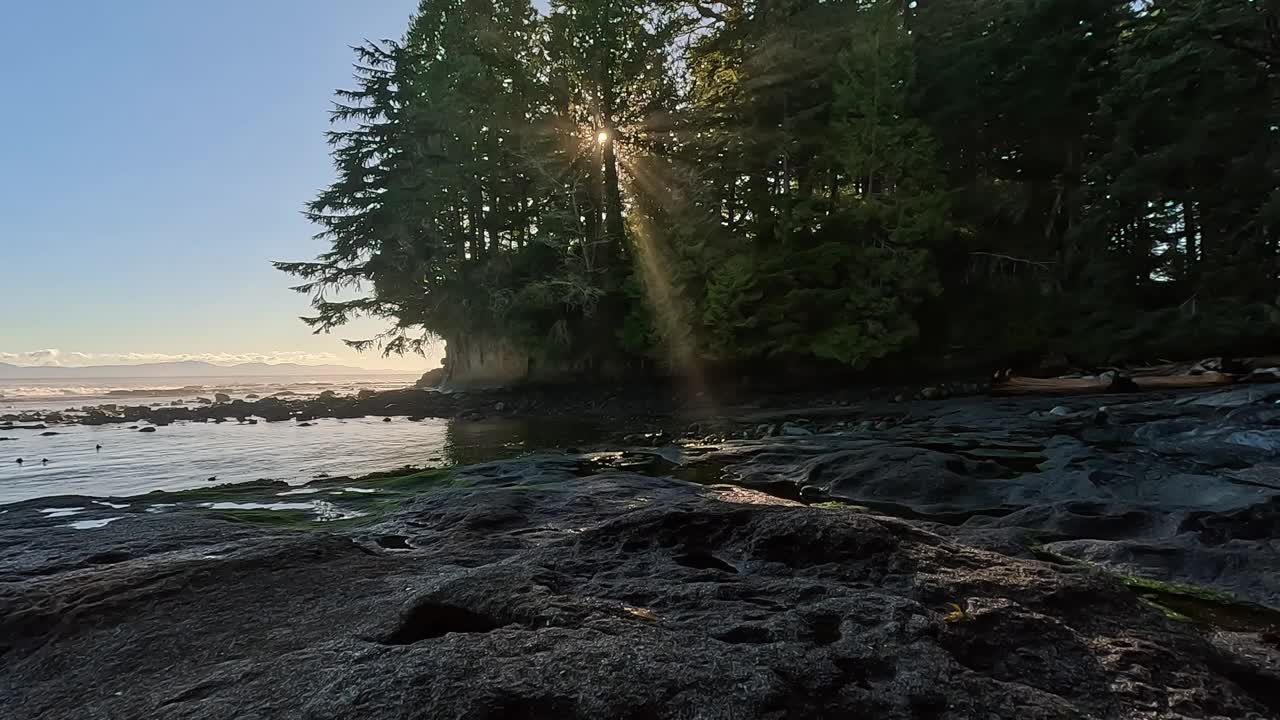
431 379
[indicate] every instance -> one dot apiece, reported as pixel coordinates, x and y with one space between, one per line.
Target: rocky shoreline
622 402
1004 558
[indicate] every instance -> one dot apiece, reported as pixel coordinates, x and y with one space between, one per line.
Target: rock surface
1181 488
536 588
984 573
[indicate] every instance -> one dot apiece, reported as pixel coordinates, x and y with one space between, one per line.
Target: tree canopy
940 183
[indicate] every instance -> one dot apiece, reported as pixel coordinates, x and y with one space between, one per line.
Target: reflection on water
467 443
62 512
323 511
91 524
188 455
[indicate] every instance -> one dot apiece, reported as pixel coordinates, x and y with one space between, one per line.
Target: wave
13 393
51 395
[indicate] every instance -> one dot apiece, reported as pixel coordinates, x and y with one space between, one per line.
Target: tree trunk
612 193
1191 232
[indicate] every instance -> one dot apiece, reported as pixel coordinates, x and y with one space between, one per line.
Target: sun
603 137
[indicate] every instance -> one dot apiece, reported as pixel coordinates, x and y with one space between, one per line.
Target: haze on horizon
58 359
163 162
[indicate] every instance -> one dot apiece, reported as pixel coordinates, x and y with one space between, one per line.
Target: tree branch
1043 264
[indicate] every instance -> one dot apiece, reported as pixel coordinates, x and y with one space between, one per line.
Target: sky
154 158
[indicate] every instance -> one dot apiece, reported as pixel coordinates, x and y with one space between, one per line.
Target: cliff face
480 361
485 361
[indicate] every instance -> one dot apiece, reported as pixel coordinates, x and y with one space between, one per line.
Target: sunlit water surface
187 455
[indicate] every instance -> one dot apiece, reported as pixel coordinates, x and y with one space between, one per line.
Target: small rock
386 419
791 429
252 396
221 397
147 429
204 401
1060 411
304 424
917 625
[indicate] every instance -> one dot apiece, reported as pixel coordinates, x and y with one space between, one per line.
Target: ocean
187 455
27 395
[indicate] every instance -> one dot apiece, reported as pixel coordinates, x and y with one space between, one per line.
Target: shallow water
187 455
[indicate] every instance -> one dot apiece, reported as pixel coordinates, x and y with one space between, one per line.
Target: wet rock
221 398
527 591
252 396
649 439
146 430
1060 411
791 429
204 401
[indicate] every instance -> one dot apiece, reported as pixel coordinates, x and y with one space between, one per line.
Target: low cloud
61 358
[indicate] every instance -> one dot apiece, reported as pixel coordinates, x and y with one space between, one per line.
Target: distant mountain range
186 368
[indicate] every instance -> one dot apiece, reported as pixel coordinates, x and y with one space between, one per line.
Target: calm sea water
186 455
62 394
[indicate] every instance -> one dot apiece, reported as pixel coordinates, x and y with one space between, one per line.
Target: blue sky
154 157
